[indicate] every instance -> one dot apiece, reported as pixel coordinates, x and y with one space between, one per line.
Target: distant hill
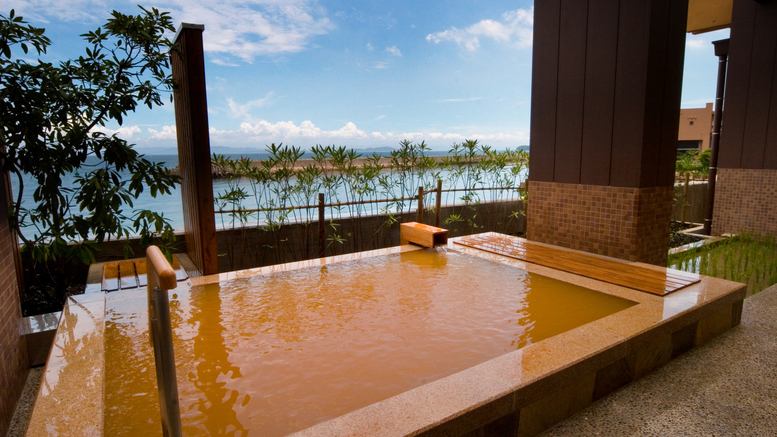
214 149
237 151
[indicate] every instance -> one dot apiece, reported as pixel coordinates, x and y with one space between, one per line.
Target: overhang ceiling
708 15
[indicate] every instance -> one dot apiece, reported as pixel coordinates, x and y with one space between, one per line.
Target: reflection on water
131 399
215 401
279 353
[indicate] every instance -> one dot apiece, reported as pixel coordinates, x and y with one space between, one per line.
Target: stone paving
727 387
24 408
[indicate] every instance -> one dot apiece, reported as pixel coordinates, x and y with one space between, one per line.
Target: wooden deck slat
559 260
592 269
670 275
586 268
180 273
110 277
142 271
133 273
612 271
566 260
595 267
127 277
597 271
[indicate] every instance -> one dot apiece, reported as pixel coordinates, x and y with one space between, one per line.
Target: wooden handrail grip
160 278
160 273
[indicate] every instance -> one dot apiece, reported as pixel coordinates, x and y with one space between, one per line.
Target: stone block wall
626 223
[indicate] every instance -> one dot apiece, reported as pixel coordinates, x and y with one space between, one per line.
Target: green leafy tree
50 116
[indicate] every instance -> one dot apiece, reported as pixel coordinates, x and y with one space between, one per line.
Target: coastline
301 164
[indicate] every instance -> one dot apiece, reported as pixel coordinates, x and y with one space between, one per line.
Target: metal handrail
161 277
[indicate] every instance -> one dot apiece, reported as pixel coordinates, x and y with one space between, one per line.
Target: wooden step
131 274
614 271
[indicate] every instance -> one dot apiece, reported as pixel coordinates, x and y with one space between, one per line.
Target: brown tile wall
745 200
14 364
625 223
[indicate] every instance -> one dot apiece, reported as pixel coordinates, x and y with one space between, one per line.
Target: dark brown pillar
746 192
191 122
606 88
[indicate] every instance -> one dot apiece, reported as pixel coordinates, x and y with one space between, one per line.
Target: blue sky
355 73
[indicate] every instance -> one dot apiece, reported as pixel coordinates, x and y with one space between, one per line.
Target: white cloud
224 63
244 111
253 28
287 130
515 27
167 133
380 65
59 10
515 138
393 50
380 117
244 29
696 43
124 132
307 134
370 47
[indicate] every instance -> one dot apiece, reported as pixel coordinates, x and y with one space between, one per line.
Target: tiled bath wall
626 223
745 200
537 407
14 364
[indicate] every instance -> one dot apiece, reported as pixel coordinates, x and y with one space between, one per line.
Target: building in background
695 129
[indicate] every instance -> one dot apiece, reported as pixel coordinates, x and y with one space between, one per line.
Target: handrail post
420 216
161 277
438 204
321 227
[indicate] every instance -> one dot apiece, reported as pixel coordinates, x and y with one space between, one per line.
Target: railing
322 205
161 277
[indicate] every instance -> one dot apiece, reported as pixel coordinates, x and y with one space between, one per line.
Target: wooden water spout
161 277
422 235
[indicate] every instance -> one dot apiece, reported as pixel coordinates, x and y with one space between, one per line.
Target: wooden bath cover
625 273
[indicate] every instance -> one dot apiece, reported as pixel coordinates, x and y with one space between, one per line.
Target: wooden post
191 123
685 198
321 227
438 204
161 277
420 215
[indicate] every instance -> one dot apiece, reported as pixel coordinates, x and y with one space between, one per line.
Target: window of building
691 122
684 146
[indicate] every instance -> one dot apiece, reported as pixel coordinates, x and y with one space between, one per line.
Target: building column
746 189
191 123
606 88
